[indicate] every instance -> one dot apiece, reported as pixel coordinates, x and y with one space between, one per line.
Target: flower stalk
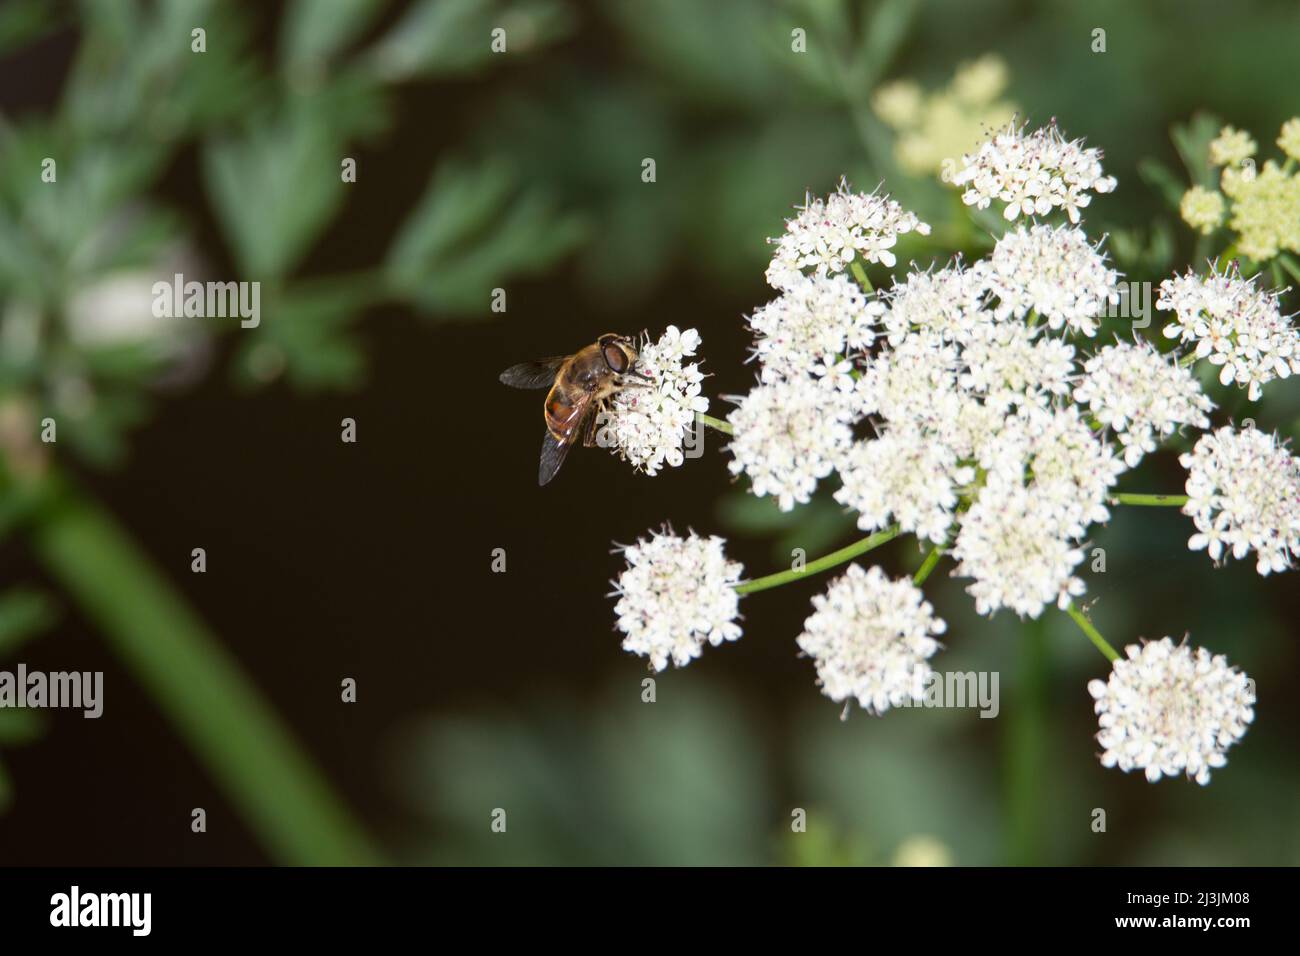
1149 500
823 563
1094 635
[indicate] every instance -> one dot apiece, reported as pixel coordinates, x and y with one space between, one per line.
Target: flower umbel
1243 490
1170 709
788 435
1032 173
676 595
1234 324
871 639
1057 273
829 233
1144 397
647 422
811 326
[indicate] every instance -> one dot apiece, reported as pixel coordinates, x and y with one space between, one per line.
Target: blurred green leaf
136 76
681 40
824 844
23 614
1159 176
1192 140
474 226
24 21
304 336
275 189
885 31
314 31
442 37
20 726
1143 251
676 782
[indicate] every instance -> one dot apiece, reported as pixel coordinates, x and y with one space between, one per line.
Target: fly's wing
539 374
560 437
591 427
553 455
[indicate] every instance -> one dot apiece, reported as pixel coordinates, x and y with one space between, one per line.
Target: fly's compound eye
615 358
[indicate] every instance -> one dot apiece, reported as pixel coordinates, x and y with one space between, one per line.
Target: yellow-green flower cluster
1261 205
942 125
1202 209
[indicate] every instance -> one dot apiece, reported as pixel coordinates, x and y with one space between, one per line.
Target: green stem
1094 635
1168 501
821 564
928 565
717 423
1027 746
860 274
199 686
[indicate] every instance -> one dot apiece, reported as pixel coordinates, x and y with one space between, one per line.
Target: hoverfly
580 385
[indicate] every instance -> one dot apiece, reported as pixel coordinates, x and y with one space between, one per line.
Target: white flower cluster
871 640
1243 491
1032 173
675 595
1142 395
948 302
647 422
903 477
1011 543
788 436
1057 273
829 233
1167 710
811 328
1234 324
971 402
956 406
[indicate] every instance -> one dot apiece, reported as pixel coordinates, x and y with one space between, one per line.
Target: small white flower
675 595
1056 272
1031 173
1142 395
647 422
949 303
1234 324
904 476
812 326
1012 544
1008 366
904 383
828 234
788 435
870 639
1073 468
1170 709
1243 490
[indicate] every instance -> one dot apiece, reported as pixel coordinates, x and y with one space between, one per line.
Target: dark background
480 690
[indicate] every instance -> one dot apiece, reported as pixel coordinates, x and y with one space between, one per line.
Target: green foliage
1192 139
450 37
275 189
473 224
675 782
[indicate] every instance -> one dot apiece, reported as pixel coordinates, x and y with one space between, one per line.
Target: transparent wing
539 374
